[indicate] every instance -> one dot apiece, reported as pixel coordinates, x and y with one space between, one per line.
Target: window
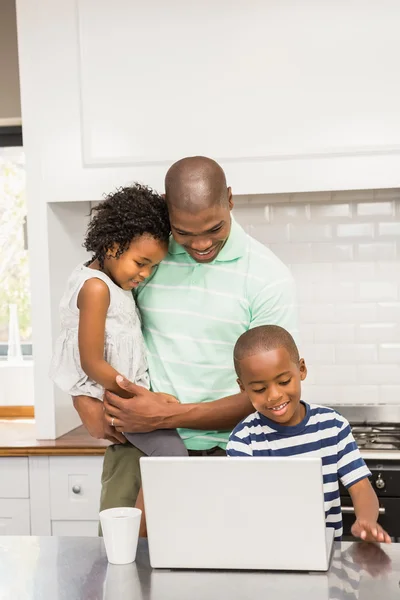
14 273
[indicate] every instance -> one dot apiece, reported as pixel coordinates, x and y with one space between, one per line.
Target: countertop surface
53 568
18 438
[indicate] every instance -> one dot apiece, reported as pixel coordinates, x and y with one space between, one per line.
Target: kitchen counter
18 438
76 568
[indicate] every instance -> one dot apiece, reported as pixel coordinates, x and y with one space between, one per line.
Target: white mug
121 533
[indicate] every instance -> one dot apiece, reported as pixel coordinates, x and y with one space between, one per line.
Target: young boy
270 371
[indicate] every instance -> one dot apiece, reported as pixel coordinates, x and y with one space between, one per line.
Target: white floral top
124 347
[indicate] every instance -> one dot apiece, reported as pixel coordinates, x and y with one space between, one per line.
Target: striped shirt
322 433
193 313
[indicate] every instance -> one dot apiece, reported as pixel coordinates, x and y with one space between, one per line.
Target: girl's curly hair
127 213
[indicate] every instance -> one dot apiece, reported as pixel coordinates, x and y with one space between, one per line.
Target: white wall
289 96
10 105
60 247
344 251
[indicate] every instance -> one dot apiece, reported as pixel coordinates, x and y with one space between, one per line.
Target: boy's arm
354 475
93 302
239 446
366 508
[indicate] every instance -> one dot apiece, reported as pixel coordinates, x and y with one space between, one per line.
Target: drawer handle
350 510
76 489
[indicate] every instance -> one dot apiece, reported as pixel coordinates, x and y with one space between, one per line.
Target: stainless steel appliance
376 430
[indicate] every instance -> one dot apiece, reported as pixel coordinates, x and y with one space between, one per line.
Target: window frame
11 137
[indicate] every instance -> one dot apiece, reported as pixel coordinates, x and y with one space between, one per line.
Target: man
215 283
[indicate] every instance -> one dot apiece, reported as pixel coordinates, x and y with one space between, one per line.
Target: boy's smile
273 383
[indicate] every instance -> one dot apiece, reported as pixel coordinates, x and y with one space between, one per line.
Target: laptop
258 513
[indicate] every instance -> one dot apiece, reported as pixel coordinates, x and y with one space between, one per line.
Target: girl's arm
93 303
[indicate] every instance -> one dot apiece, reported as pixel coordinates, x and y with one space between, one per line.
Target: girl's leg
163 442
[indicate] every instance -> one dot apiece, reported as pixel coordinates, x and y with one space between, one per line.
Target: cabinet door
75 528
278 125
14 478
75 485
14 517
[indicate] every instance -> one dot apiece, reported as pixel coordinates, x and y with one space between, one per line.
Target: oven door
389 512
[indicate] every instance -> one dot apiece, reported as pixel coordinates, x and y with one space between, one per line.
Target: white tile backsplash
389 353
378 332
375 209
355 230
343 249
389 229
375 251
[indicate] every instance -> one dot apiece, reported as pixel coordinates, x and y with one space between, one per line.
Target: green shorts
120 481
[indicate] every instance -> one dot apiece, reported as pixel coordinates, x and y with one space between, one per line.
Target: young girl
100 326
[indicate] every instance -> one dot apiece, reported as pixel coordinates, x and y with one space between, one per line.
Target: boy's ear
303 369
240 384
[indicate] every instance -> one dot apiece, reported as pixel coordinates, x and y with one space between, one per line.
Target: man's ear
230 198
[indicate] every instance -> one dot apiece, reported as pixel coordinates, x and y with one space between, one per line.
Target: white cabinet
14 496
75 485
56 495
14 517
75 528
65 495
276 99
14 477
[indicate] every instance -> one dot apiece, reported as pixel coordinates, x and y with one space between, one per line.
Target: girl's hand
370 531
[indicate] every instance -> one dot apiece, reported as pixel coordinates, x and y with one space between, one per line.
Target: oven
386 482
376 430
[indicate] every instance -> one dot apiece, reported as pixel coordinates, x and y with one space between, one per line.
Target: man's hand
91 412
370 531
145 411
169 398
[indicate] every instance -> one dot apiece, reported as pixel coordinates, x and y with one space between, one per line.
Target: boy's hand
370 531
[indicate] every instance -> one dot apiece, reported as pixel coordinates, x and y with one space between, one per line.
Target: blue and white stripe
323 433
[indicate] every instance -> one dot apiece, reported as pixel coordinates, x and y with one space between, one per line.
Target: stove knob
380 483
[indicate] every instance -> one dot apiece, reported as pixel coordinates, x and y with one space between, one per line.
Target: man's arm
147 411
276 304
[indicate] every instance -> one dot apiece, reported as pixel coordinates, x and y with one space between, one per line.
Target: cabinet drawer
75 528
14 478
14 517
75 484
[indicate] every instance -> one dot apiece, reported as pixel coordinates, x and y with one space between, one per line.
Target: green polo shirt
193 314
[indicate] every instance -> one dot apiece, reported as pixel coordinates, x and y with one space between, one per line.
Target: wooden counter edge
43 451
